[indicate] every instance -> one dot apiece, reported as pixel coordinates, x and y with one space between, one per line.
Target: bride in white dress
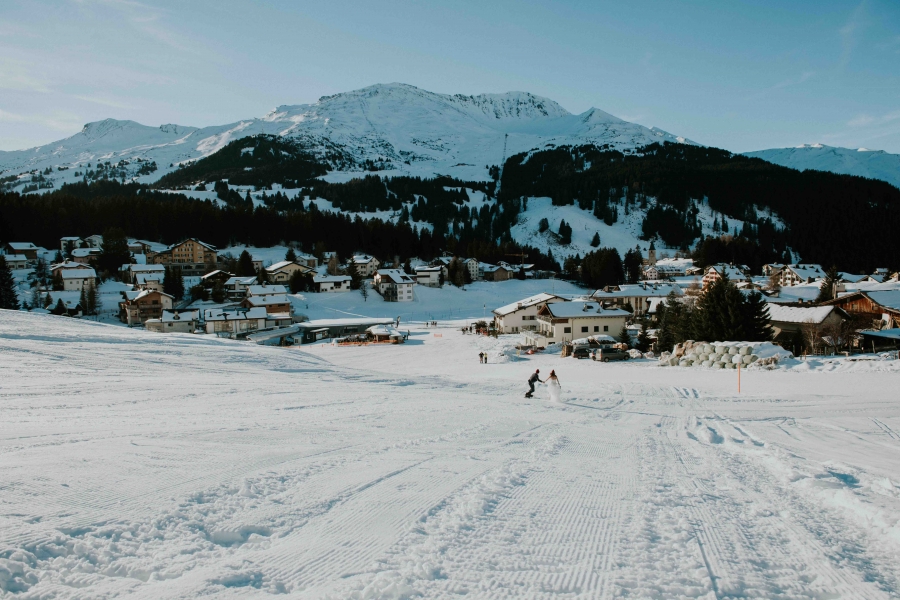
553 387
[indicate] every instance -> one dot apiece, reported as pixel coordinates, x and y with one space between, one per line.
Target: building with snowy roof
281 272
75 280
522 315
787 320
27 249
800 274
394 285
139 305
16 261
273 303
637 295
173 321
879 303
332 283
565 321
431 276
735 273
365 265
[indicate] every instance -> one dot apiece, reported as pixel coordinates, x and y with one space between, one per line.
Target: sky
740 75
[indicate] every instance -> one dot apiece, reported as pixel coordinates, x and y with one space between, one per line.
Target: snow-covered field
146 466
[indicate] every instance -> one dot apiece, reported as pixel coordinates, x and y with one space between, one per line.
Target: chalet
667 268
130 272
527 268
642 297
175 322
236 287
770 269
94 241
234 322
85 255
332 283
146 247
800 273
522 315
394 285
281 272
494 272
153 281
69 243
16 261
27 249
140 305
734 273
193 256
266 290
306 260
366 265
878 303
565 321
213 277
273 303
788 320
431 276
69 264
75 280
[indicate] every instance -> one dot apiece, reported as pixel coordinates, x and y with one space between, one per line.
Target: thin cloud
865 120
849 33
60 121
104 102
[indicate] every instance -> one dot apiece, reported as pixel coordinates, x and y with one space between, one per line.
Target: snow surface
411 130
151 466
875 164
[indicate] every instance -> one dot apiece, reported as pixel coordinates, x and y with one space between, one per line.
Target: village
192 287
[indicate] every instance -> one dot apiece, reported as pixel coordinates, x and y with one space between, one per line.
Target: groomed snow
141 465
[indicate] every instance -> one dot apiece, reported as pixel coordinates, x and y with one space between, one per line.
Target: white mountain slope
875 164
408 129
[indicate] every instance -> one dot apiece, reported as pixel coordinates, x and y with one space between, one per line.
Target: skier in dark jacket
535 377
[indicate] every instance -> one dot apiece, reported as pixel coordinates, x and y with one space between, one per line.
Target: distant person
535 377
480 357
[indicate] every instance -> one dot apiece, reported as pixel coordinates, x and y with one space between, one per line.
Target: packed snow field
145 466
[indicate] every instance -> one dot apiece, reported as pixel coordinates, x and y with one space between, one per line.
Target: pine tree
35 298
353 272
218 292
757 325
720 313
93 299
245 266
82 299
624 337
595 241
48 300
829 286
643 338
262 276
290 254
9 297
364 290
57 281
407 268
60 308
113 251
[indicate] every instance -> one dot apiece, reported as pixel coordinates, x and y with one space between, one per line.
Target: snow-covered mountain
399 127
875 164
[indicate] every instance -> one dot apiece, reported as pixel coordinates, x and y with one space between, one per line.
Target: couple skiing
552 383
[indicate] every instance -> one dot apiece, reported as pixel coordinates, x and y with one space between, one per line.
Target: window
606 328
567 330
584 329
596 328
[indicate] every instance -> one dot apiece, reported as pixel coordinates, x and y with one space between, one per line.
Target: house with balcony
139 305
566 321
522 315
394 285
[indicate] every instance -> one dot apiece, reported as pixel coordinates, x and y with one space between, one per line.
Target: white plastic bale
707 363
718 365
746 350
746 359
753 358
732 350
736 359
683 363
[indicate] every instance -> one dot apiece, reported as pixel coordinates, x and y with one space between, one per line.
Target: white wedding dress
553 389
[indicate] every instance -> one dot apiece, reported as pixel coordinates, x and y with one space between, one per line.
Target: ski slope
137 465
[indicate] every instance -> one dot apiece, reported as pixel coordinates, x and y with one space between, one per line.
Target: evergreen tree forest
818 208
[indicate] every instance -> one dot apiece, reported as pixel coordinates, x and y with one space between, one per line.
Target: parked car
581 352
608 354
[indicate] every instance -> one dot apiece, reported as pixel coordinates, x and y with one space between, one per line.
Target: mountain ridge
874 164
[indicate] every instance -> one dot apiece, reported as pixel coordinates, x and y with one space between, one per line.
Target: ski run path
136 465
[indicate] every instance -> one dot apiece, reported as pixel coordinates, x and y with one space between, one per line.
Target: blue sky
737 75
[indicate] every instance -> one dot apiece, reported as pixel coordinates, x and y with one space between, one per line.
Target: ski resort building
332 283
175 322
522 315
642 297
394 285
193 256
140 305
566 321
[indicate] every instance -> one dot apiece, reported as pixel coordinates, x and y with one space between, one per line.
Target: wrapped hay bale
732 350
683 363
746 360
718 365
753 358
736 359
745 351
706 363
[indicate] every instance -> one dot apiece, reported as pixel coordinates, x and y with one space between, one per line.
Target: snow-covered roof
331 278
281 265
851 277
266 290
732 272
78 273
240 314
576 309
807 271
241 279
84 252
144 268
362 321
640 290
892 334
383 330
174 316
152 246
427 269
143 278
215 273
22 246
267 300
70 238
204 244
798 314
525 303
362 259
395 276
16 257
886 298
138 294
